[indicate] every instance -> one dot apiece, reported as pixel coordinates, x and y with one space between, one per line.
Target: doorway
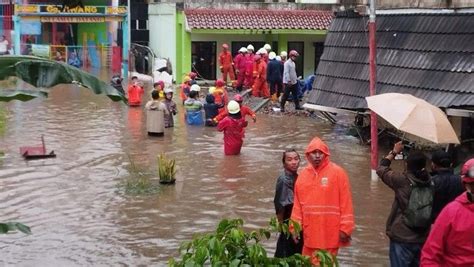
318 52
203 59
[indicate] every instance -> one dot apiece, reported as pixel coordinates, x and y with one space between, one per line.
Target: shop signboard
56 9
40 50
64 19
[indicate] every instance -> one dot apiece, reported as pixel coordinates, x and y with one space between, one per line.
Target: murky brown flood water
78 217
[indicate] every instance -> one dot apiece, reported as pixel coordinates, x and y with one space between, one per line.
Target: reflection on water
78 218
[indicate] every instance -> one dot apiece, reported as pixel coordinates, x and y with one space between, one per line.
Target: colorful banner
57 9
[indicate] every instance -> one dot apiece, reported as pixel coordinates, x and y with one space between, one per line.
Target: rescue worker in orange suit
244 110
185 89
233 128
221 97
135 92
249 66
225 63
323 203
239 64
260 88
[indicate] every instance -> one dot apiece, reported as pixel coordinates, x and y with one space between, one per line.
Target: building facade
191 35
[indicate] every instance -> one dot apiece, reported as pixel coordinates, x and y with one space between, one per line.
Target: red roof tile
258 19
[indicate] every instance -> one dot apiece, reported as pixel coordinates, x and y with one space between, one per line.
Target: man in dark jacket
274 76
405 242
448 186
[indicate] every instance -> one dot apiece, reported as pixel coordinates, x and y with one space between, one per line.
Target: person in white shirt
3 45
290 81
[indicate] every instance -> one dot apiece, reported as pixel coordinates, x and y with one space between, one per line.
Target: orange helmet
238 98
220 83
225 46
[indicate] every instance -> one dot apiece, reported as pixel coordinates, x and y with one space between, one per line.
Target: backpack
417 214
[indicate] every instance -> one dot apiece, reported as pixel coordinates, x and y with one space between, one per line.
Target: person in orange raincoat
323 203
248 82
135 92
225 62
260 88
244 110
185 89
220 94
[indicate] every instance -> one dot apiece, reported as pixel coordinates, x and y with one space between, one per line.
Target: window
203 59
318 52
299 47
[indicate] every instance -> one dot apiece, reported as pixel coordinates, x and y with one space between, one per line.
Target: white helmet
267 47
272 55
283 54
243 50
233 107
168 90
196 88
250 47
278 58
261 51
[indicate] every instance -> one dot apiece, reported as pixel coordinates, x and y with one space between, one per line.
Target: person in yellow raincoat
323 203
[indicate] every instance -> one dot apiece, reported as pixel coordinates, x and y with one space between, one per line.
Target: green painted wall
183 48
97 31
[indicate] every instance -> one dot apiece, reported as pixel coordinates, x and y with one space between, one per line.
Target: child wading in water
211 109
171 107
233 128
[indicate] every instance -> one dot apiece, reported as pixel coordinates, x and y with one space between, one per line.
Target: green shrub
166 168
231 246
139 182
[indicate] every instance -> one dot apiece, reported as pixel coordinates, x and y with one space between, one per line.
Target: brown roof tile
258 19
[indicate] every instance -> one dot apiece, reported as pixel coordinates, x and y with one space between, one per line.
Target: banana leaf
44 74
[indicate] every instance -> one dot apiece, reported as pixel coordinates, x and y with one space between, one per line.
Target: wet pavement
79 216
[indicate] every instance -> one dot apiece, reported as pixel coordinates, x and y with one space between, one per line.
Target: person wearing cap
225 63
248 82
135 92
239 64
159 86
274 76
451 239
244 110
260 88
322 203
211 110
267 48
192 75
220 94
171 107
185 89
448 186
233 128
290 81
283 56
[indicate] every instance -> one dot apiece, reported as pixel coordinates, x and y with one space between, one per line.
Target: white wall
229 38
162 26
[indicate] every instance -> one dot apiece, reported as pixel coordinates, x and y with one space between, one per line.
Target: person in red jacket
135 92
185 89
323 203
260 88
239 63
233 128
249 66
451 239
225 62
244 110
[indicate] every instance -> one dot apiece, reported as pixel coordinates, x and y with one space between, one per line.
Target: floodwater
79 216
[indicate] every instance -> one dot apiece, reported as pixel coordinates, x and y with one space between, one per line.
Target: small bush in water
139 182
231 246
166 168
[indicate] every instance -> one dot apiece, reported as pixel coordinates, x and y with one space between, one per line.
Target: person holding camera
410 218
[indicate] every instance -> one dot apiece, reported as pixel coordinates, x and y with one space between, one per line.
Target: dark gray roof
430 56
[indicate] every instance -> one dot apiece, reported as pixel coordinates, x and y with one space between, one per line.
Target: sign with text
64 19
57 9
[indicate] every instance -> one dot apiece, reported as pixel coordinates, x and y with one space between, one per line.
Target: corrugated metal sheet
430 56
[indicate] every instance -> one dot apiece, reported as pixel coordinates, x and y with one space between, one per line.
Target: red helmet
238 98
225 46
257 57
220 83
160 83
293 53
192 75
467 171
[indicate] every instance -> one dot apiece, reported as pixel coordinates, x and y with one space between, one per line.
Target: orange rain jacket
323 202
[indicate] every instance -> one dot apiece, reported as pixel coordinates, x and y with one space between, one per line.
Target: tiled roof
258 19
430 56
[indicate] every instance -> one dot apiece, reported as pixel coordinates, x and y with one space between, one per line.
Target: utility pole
372 83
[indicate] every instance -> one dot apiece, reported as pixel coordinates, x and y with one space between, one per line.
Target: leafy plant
230 245
166 168
139 182
13 226
3 120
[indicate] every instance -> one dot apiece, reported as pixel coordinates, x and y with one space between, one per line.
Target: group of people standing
431 222
267 74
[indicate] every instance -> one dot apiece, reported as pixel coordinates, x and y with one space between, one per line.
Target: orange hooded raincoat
323 203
